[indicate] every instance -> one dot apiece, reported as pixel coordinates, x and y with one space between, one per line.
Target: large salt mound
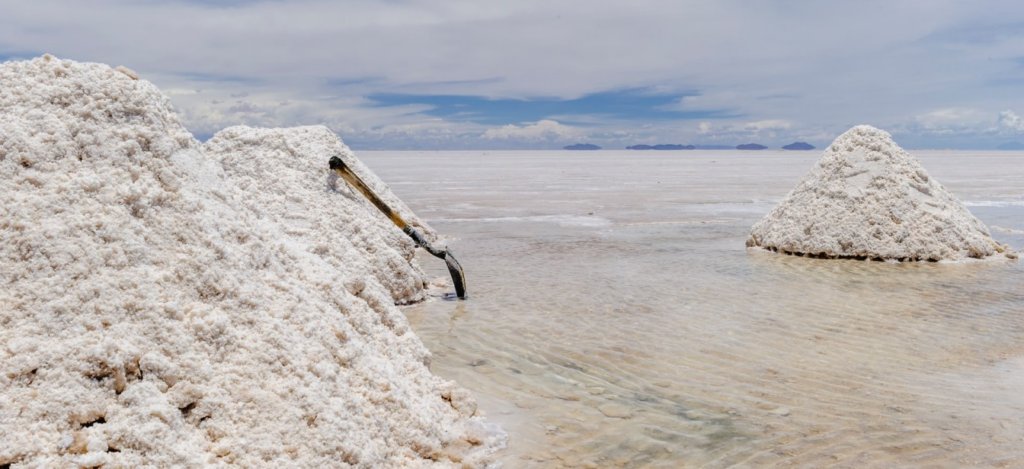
154 312
868 198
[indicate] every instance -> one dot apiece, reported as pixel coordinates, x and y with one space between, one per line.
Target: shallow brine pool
617 320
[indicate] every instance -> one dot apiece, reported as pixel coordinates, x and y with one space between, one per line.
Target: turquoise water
616 319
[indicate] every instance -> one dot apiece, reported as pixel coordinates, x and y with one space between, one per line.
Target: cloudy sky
397 74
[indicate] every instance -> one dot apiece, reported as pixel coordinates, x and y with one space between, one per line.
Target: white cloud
544 130
819 66
767 125
730 131
980 125
1011 121
946 116
951 122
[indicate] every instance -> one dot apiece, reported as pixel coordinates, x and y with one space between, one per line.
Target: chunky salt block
867 198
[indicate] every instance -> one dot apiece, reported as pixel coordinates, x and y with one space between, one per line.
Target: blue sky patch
626 105
11 55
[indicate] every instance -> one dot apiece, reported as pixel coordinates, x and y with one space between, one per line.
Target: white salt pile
868 198
282 172
165 306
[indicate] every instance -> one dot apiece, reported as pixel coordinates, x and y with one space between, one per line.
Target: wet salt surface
617 320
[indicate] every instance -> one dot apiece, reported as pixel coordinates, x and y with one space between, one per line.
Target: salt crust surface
166 304
868 198
283 172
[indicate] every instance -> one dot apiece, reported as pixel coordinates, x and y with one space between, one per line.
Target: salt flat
616 318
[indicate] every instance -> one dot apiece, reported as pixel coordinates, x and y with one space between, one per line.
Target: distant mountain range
582 146
745 146
1011 146
798 146
676 146
715 147
662 146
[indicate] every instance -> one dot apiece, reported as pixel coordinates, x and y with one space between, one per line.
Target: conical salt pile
867 198
165 307
282 172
